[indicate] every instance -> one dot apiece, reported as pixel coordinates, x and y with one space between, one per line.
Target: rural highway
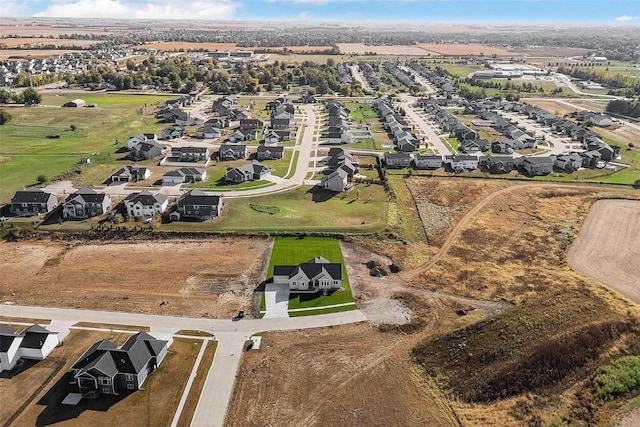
231 336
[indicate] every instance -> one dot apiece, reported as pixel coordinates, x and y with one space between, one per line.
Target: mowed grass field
26 151
362 209
294 250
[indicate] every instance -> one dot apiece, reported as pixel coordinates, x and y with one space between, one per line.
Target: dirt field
364 376
361 49
36 41
32 53
465 49
171 46
198 278
608 246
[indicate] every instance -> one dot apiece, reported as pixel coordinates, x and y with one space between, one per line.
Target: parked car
239 316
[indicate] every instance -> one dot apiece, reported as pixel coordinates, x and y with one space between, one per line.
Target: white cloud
147 9
13 8
627 18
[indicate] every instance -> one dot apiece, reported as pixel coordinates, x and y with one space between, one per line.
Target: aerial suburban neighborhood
242 222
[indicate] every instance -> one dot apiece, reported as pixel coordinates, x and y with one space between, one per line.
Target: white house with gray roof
145 204
315 275
34 343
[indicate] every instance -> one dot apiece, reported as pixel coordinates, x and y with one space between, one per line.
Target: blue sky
535 11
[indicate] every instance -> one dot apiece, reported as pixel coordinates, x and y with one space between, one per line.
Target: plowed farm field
608 246
465 49
197 278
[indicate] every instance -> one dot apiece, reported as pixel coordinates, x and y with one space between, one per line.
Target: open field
32 53
293 251
198 278
362 49
40 41
465 49
175 46
28 149
514 247
154 405
362 379
359 210
608 246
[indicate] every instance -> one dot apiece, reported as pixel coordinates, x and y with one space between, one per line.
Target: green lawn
26 151
362 209
293 251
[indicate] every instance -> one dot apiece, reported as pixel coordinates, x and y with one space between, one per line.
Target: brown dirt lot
36 41
212 278
361 49
364 377
608 246
466 49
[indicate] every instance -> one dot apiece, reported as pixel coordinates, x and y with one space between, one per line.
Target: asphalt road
434 139
218 387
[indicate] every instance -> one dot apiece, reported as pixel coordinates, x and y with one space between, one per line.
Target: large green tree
31 96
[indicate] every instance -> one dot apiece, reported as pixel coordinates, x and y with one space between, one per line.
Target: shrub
619 378
5 117
41 179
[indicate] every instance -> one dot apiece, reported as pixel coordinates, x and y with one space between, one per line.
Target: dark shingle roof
31 195
311 268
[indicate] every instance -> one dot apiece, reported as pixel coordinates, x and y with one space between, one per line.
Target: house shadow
307 296
122 150
55 412
320 195
262 286
53 217
253 156
21 366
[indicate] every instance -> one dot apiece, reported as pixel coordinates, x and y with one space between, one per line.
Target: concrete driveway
276 299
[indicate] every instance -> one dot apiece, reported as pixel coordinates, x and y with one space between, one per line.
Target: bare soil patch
363 376
608 246
199 278
466 49
175 46
362 49
40 41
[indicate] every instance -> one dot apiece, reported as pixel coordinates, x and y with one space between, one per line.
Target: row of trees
599 75
626 108
29 97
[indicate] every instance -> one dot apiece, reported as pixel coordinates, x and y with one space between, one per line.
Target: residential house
145 204
172 132
337 181
143 137
537 166
315 275
208 132
183 175
232 151
85 203
254 124
269 152
249 172
397 160
591 159
427 161
280 123
145 150
568 162
271 138
240 135
131 174
34 343
471 146
76 103
107 369
307 99
190 154
32 201
460 164
240 114
498 164
182 118
196 204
